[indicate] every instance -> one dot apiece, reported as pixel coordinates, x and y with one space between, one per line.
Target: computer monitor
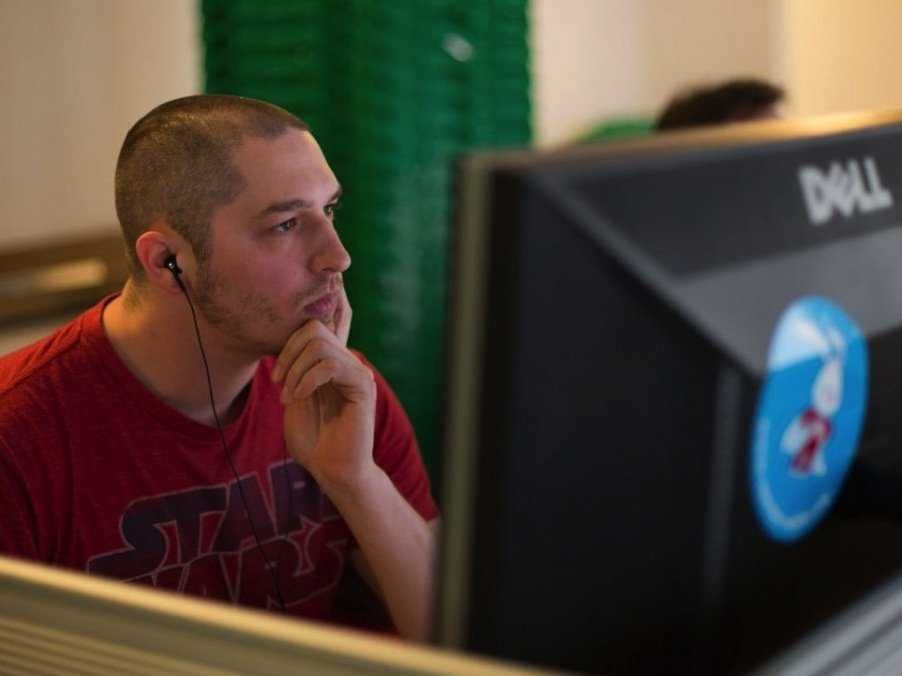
675 379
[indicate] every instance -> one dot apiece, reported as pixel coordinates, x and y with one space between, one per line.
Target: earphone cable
228 455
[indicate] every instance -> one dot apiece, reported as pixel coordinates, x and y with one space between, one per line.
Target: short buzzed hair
731 101
176 164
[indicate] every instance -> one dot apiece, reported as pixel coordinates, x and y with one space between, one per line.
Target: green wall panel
393 91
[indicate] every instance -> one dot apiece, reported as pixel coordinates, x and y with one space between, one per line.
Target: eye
332 208
285 226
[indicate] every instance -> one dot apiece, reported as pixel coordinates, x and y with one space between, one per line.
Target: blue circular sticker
809 416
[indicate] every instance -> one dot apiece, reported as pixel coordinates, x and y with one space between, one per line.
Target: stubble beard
248 322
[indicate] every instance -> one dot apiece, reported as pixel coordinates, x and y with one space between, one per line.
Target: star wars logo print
200 541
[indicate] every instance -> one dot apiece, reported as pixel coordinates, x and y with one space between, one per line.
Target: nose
332 256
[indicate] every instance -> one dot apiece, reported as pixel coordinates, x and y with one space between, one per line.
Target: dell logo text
846 189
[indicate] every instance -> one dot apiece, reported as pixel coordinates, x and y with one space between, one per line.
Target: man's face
276 258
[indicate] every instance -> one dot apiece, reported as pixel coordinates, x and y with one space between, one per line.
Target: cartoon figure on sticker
811 406
805 438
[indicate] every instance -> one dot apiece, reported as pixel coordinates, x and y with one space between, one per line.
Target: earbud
173 265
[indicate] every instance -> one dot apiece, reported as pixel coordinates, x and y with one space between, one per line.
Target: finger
322 373
352 378
296 343
343 318
352 382
315 350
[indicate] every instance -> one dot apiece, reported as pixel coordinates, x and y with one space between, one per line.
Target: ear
153 248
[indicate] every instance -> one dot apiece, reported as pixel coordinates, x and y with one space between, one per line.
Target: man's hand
330 403
330 410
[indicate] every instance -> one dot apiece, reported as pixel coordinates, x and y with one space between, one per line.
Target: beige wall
594 59
705 40
843 55
74 75
585 57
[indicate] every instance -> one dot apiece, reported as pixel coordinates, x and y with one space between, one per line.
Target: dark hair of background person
176 163
732 101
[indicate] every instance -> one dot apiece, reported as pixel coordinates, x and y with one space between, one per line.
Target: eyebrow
294 204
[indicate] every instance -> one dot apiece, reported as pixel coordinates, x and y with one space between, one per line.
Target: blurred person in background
741 100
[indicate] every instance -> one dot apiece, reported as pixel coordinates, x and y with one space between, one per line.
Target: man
741 100
112 458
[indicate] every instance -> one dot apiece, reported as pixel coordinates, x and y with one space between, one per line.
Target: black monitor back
612 317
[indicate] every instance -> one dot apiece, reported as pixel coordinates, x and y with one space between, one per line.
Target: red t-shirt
98 474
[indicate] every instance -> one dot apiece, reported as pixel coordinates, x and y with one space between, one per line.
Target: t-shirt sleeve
396 450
